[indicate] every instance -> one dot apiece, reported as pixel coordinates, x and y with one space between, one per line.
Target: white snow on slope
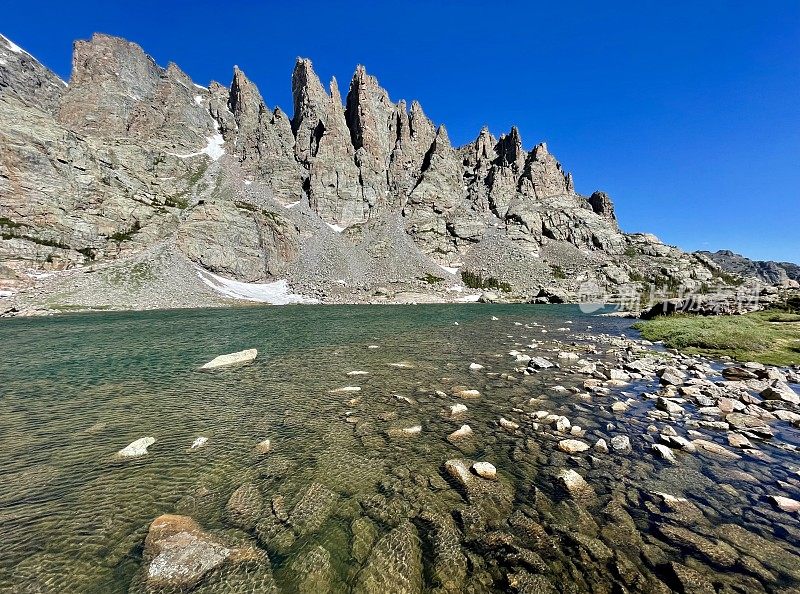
13 46
6 294
198 99
276 293
449 269
213 149
469 299
291 204
337 228
18 50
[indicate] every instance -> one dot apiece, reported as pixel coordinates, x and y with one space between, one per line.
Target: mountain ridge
349 199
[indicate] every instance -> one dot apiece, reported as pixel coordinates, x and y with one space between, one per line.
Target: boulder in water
136 448
231 359
178 553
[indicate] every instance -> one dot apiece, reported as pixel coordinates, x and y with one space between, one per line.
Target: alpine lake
368 482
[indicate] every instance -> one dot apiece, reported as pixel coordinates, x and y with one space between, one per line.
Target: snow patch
6 294
3 62
200 87
337 228
449 269
13 46
469 299
198 99
213 149
276 293
291 204
247 182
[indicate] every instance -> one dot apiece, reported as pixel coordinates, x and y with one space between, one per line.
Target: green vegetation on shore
771 337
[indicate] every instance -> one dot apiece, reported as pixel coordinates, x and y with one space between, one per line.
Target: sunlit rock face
353 190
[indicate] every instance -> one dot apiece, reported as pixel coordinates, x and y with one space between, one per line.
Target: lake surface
75 389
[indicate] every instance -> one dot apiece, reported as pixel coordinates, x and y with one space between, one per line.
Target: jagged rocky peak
244 100
509 150
109 75
369 116
543 176
247 107
601 204
116 90
23 76
311 104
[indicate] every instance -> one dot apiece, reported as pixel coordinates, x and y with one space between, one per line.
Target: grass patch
767 337
558 272
476 281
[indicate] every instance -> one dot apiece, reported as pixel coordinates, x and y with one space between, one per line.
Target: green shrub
476 281
431 279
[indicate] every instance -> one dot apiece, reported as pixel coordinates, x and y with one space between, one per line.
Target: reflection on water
348 497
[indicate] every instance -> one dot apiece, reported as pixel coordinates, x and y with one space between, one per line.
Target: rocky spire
542 176
509 150
310 109
334 189
244 101
371 119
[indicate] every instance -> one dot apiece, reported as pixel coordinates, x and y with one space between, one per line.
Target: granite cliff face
766 271
132 167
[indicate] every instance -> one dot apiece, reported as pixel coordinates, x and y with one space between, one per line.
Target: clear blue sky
686 113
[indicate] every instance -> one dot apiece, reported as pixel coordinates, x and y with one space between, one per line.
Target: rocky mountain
769 272
131 186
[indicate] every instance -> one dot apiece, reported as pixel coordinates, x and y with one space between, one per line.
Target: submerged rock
136 448
314 573
457 410
449 567
405 431
231 359
244 507
263 447
467 394
365 533
313 510
345 390
574 485
395 564
179 554
715 449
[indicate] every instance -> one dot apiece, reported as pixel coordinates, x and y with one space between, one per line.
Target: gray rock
621 443
778 390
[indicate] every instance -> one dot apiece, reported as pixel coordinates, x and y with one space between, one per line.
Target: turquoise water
77 388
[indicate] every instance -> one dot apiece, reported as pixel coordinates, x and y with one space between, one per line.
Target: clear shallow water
75 389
